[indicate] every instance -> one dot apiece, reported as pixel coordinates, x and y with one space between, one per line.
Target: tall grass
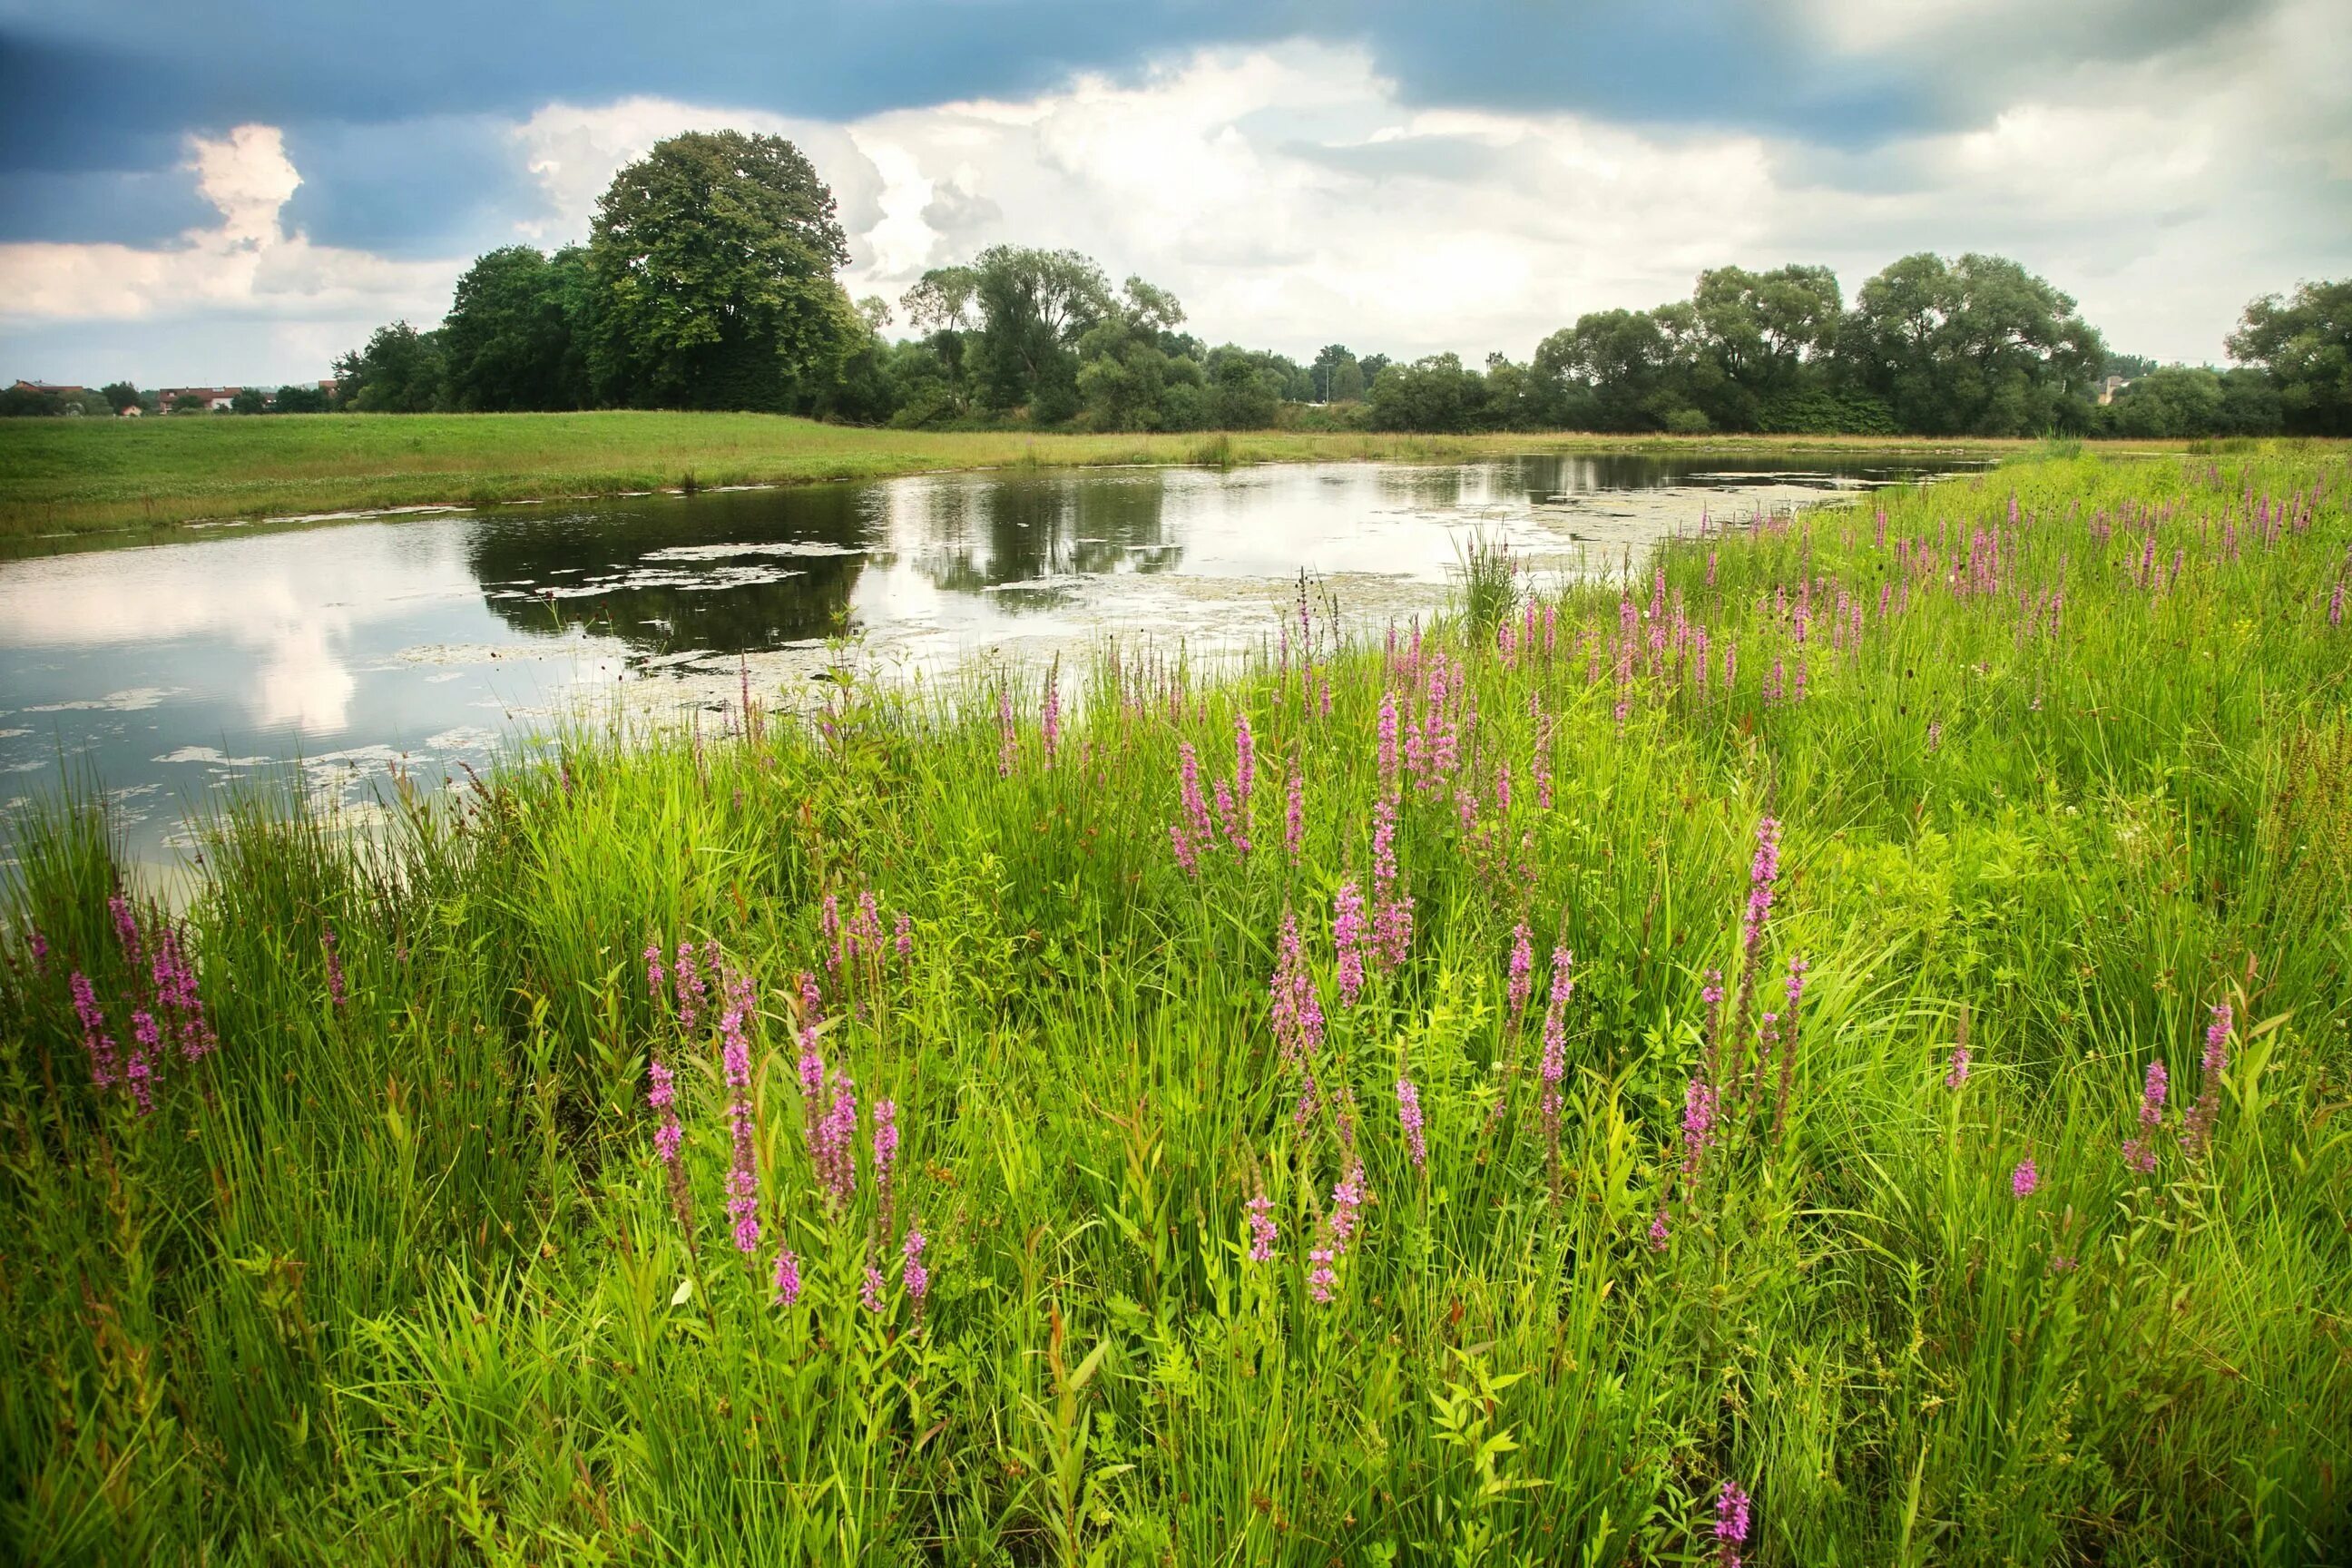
2052 764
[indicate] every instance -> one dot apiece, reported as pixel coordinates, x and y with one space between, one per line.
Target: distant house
213 398
43 389
2109 387
133 412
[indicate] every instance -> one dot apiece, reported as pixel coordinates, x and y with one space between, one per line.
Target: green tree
1611 370
711 269
1977 346
119 395
1034 306
1435 394
516 336
1123 359
23 402
1757 337
301 398
249 400
2305 345
944 306
399 371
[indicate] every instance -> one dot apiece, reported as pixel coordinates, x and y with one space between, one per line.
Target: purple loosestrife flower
829 931
1294 828
1699 1105
2024 1180
105 1057
1658 1232
655 978
918 1277
2335 605
788 1277
147 1039
1387 742
866 928
1050 719
870 1294
40 948
885 1155
903 934
662 1097
1245 766
1392 912
1523 958
1236 830
1322 1281
1763 873
1409 1117
2197 1131
1554 1068
735 1059
1730 1524
1351 938
140 1075
335 993
1263 1232
1297 1013
686 979
2140 1152
175 990
126 925
836 1142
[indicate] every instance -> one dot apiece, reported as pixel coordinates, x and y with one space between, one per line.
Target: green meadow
1829 1047
67 477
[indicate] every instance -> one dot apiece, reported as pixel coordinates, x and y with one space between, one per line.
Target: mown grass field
1489 1095
77 476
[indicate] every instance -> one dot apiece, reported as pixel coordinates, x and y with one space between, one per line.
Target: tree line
709 281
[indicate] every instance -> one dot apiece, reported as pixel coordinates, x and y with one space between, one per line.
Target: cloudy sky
235 192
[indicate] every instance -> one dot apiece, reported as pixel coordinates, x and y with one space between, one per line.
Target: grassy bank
1270 1209
72 475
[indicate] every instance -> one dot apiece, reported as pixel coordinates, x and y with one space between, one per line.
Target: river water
336 656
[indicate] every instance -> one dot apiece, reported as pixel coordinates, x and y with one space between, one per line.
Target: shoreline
68 496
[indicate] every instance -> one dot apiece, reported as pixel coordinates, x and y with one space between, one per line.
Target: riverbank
72 477
1841 1039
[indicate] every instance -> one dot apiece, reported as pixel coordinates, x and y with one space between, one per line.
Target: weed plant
1829 1049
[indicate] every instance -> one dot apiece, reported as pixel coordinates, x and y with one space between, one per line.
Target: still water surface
349 651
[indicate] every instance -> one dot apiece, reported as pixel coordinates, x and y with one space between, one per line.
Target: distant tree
249 400
1034 306
1245 387
1977 346
2305 345
1608 372
401 371
1434 394
944 305
191 402
710 265
1123 359
301 398
2129 366
2165 405
119 395
1336 374
516 335
1755 338
1370 368
23 402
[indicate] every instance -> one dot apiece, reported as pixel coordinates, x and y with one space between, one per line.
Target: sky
234 192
